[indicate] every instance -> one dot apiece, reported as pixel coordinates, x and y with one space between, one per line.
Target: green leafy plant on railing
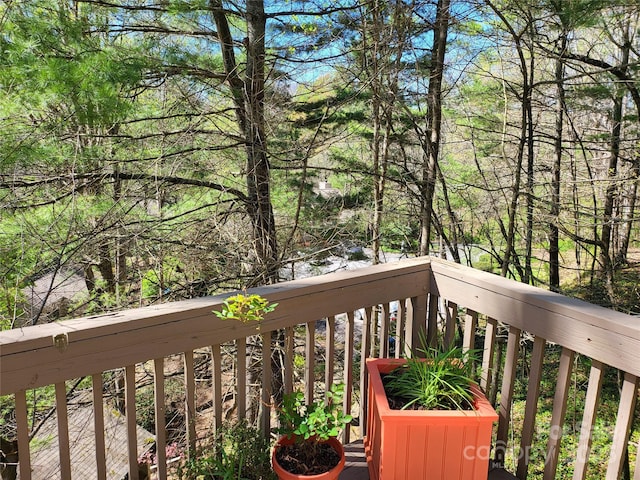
245 308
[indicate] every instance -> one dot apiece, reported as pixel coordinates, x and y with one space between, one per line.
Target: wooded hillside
153 150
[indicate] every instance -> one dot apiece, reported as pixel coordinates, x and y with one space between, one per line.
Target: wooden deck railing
432 297
542 319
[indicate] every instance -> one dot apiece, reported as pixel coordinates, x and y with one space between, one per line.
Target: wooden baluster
451 323
348 373
289 353
22 424
506 394
487 355
241 377
531 406
431 338
373 328
470 324
190 402
591 402
130 413
365 352
384 331
626 409
160 414
98 426
329 352
63 430
400 325
310 361
416 324
558 414
265 418
216 372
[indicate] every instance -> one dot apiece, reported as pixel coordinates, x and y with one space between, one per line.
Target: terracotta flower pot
330 475
430 444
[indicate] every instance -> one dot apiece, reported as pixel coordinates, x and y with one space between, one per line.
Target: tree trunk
524 131
105 266
258 170
554 233
121 243
628 213
610 195
387 34
453 243
248 98
379 186
434 120
528 105
606 253
373 51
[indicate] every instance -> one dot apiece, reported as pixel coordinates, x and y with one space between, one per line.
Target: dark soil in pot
301 459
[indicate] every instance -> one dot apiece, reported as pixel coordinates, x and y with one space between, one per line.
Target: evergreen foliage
123 154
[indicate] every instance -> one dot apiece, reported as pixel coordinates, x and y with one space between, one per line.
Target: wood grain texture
506 395
470 325
63 430
329 350
216 369
130 414
348 373
531 406
98 425
160 410
365 349
384 331
597 332
241 378
29 358
591 402
309 361
23 435
626 409
559 411
486 373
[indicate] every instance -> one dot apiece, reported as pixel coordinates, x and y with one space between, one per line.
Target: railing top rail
45 354
597 332
41 355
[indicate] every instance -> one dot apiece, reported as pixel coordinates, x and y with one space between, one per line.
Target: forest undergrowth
626 288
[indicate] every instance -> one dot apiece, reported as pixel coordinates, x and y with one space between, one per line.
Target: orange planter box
425 444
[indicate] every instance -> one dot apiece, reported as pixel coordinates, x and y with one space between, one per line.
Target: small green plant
440 381
245 308
240 452
317 421
308 428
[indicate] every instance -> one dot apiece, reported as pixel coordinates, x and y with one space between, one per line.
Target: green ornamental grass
440 381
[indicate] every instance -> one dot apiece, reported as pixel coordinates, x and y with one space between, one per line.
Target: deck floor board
356 465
